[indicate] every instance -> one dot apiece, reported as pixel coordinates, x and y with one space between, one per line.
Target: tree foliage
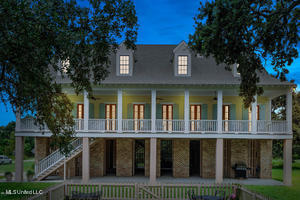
248 33
7 141
38 36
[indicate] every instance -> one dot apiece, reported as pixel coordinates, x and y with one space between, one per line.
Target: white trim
139 103
162 135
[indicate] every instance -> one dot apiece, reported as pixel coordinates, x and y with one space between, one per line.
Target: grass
11 167
36 186
281 192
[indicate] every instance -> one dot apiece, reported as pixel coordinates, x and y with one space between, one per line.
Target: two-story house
166 111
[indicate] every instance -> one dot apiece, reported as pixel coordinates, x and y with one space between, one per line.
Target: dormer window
182 60
182 65
65 65
124 61
124 65
235 72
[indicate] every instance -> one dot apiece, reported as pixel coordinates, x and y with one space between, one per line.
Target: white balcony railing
108 125
236 126
203 125
264 126
144 125
136 125
169 125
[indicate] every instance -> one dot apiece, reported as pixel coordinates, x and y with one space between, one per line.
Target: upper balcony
165 113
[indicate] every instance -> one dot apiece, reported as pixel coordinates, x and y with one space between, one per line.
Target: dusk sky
163 22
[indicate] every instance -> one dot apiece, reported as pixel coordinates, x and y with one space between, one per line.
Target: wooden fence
137 191
150 191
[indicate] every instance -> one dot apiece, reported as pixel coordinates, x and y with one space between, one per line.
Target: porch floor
169 180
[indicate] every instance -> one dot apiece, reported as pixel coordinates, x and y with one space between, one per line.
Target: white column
153 142
153 110
287 162
186 110
289 105
19 153
85 160
120 102
219 160
86 111
253 116
220 110
18 120
270 109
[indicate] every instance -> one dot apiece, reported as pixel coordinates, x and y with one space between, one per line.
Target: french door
195 114
138 116
110 116
80 115
167 116
226 115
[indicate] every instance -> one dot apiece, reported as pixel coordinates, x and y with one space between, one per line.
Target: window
182 65
138 115
110 116
65 64
80 113
124 64
195 114
226 117
167 117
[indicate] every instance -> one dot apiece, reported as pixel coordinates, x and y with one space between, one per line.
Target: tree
40 38
248 33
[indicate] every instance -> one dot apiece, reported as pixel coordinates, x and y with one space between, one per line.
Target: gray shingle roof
153 65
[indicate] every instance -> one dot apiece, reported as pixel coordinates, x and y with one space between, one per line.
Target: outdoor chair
83 195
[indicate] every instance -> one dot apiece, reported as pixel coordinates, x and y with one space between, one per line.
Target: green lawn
281 192
4 186
11 167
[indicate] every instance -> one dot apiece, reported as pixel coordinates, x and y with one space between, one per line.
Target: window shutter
262 112
245 113
215 112
130 111
175 111
147 111
158 111
245 117
204 111
102 111
91 111
74 111
232 112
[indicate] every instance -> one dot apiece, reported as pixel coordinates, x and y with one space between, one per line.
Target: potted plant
30 174
8 176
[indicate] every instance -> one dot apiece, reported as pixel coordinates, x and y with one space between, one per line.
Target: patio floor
169 180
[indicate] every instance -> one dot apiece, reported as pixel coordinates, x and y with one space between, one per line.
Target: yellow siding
209 100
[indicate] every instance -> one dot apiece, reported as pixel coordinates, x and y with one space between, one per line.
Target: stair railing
55 157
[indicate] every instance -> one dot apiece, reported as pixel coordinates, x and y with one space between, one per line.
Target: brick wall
97 158
124 158
265 158
181 158
147 157
239 153
208 160
42 148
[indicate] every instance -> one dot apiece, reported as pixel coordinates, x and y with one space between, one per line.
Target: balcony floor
169 180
